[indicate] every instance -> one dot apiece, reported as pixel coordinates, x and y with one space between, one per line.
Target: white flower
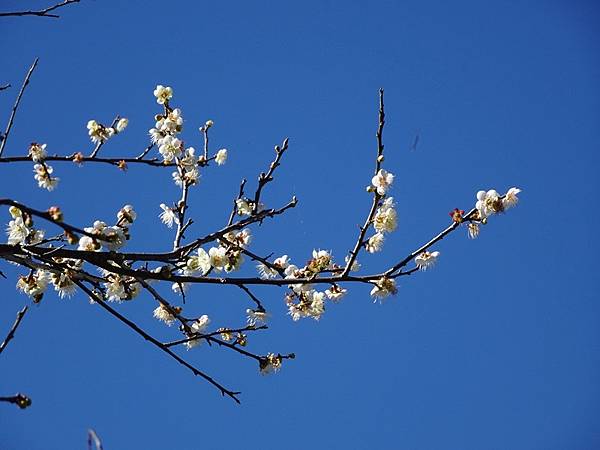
282 262
43 176
271 363
321 260
256 317
121 124
200 263
99 133
265 272
155 135
473 230
63 285
382 181
335 292
218 257
163 94
163 314
375 243
207 125
114 238
383 288
168 216
88 244
34 285
171 124
426 260
243 207
17 231
170 148
37 152
385 220
127 215
511 199
198 327
221 156
317 305
488 203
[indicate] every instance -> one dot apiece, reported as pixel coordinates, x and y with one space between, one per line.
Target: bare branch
224 391
16 105
11 333
42 12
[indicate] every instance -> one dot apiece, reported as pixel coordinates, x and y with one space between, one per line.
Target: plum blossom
385 220
37 152
270 363
383 288
511 199
426 260
256 317
221 156
43 176
163 94
168 216
382 181
197 327
375 243
200 263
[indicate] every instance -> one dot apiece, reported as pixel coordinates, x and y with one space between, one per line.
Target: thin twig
4 87
224 391
93 437
11 333
40 13
360 241
16 105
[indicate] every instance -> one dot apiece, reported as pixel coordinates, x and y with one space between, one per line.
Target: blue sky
498 347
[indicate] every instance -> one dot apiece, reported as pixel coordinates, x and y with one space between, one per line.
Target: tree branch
40 13
16 105
11 333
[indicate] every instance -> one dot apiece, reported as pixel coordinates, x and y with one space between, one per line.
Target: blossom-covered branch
91 259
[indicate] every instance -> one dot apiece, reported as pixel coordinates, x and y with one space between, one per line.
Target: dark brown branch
360 241
47 216
428 244
40 13
234 209
224 391
264 179
252 296
16 105
11 333
215 333
155 162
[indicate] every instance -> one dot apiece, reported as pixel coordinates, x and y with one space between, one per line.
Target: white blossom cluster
99 133
270 363
42 171
385 221
110 237
167 128
303 300
35 284
490 203
20 229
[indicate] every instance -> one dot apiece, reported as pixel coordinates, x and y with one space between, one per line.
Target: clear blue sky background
497 348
